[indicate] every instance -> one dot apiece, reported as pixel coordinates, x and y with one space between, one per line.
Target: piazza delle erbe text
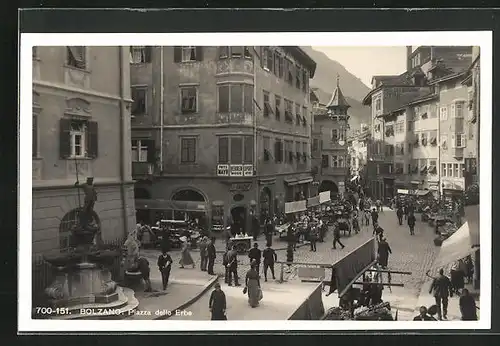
253 189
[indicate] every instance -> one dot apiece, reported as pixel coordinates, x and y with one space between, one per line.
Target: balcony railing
142 169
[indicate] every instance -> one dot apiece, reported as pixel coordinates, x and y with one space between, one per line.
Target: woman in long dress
252 284
186 259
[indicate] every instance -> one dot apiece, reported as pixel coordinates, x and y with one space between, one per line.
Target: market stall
282 229
243 242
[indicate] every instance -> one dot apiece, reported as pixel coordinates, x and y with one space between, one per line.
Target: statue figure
89 201
133 261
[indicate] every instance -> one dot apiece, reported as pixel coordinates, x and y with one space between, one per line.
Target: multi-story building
329 142
406 113
357 145
222 131
81 128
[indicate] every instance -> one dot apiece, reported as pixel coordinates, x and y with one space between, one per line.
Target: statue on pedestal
88 202
133 261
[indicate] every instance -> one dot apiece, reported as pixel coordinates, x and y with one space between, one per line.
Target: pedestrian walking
233 267
269 230
203 246
289 255
378 204
383 252
378 231
411 223
225 262
217 304
405 211
269 256
211 254
457 277
186 259
255 255
313 237
467 306
442 288
366 214
164 266
374 215
399 213
255 227
355 223
252 286
336 236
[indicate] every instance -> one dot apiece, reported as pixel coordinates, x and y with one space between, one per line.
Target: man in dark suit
270 257
211 254
255 255
441 286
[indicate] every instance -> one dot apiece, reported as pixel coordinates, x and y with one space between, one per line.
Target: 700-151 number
52 311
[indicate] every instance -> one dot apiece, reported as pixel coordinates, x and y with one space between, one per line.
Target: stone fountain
83 287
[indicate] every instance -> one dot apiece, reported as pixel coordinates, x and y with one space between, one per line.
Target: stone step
120 309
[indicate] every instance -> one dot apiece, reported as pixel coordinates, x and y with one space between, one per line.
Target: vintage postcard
318 181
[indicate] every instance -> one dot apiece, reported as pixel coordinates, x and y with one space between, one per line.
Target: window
188 150
76 57
140 151
304 116
140 54
450 169
266 144
457 109
305 80
456 173
324 161
267 105
188 53
399 168
389 130
270 60
432 166
341 161
315 146
288 111
278 151
433 137
411 125
459 140
236 52
298 115
277 101
443 170
414 166
444 142
235 98
288 151
423 138
304 151
432 111
78 138
335 135
289 71
389 150
400 126
223 150
35 136
281 66
443 113
236 155
189 100
139 97
298 148
400 148
423 166
248 149
298 75
462 170
378 103
223 52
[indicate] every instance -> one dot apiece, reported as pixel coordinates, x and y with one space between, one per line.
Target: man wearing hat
204 253
89 200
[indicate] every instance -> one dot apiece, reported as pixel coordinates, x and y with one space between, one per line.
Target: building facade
418 137
229 137
81 128
358 145
329 143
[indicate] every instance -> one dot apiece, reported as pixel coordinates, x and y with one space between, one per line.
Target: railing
142 169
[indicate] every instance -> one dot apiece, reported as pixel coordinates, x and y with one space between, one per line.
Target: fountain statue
83 279
135 265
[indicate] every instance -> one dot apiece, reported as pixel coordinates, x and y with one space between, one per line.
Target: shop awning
297 181
164 204
456 247
295 207
291 181
324 197
313 202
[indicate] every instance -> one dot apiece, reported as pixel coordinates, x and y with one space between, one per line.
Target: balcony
142 169
235 66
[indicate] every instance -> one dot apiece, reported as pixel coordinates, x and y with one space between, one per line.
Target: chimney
408 53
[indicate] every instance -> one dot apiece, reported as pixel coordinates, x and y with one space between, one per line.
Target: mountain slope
325 80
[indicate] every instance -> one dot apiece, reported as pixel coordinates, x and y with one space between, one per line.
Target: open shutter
92 139
199 53
151 151
65 138
177 54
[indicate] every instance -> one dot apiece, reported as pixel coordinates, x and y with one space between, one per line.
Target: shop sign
248 170
236 171
222 170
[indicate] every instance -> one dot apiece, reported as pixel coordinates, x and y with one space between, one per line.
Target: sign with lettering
350 266
248 170
236 171
222 170
241 186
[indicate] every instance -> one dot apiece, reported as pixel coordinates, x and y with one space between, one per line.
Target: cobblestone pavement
414 254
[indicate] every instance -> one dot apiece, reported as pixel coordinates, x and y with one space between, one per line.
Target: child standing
164 265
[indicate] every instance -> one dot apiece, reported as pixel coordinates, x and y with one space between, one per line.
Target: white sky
366 62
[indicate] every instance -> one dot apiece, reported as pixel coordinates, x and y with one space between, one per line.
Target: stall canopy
324 197
459 245
164 204
313 202
295 207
